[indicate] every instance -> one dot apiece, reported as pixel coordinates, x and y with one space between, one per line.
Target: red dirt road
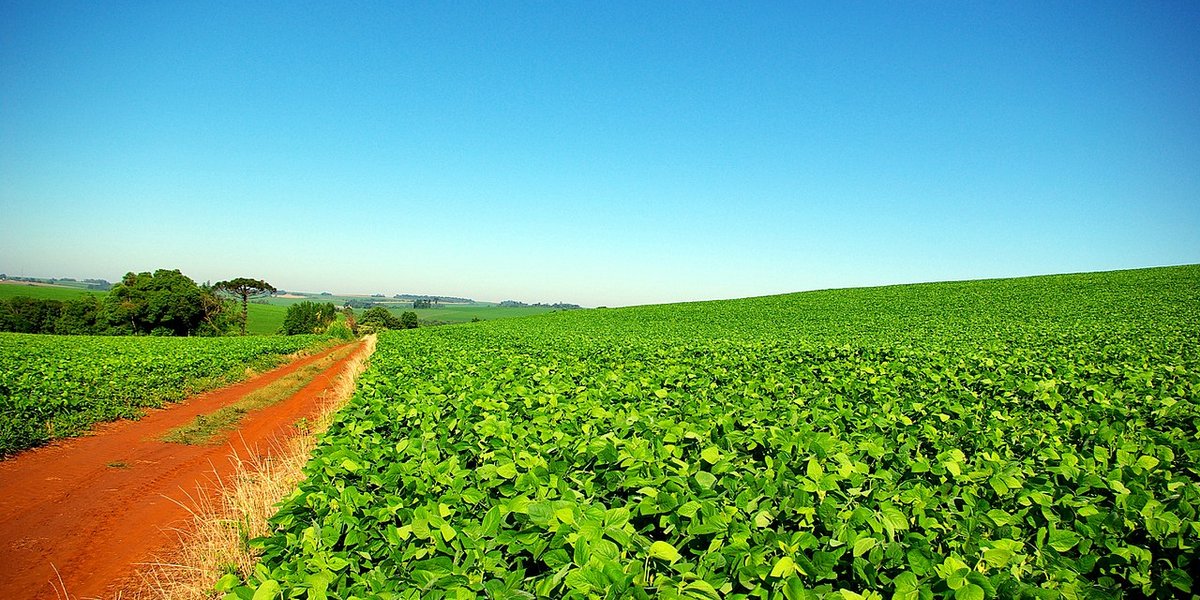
73 507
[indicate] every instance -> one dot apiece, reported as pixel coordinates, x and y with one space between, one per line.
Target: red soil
72 511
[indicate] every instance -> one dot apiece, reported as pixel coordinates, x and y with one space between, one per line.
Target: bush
308 317
408 319
339 331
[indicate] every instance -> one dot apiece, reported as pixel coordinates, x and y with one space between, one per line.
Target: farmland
1031 437
58 386
444 313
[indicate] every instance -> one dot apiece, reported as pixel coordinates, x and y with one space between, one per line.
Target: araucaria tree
245 288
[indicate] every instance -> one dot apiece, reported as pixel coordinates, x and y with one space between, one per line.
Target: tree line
169 303
164 302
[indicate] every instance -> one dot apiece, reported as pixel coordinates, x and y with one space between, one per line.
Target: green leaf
762 519
814 470
893 519
227 583
663 551
706 479
864 545
794 589
491 521
784 567
268 590
689 509
507 470
1001 552
1063 541
711 454
906 587
969 592
701 589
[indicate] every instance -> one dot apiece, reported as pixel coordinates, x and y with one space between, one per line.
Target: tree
308 317
29 315
408 319
379 317
245 288
78 316
165 302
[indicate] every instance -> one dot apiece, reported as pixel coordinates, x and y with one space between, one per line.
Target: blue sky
598 153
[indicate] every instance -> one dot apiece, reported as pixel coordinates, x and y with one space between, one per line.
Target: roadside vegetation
214 545
1031 437
205 428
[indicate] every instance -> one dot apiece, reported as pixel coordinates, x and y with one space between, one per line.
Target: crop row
58 386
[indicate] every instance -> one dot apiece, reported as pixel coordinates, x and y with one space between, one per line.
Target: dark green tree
165 302
29 315
379 317
245 289
408 319
79 316
308 317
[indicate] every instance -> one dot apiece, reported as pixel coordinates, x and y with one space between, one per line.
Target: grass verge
215 543
205 428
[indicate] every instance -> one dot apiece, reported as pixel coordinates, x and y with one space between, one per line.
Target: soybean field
55 386
1031 437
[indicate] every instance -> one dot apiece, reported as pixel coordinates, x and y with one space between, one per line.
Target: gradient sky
601 153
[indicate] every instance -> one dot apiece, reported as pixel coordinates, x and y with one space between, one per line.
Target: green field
1030 437
463 313
264 319
54 386
444 313
44 292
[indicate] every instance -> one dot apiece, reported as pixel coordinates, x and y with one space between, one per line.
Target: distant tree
220 315
408 319
308 317
379 317
79 316
29 315
245 288
165 302
351 321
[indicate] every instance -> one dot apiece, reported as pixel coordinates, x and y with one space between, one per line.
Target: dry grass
215 542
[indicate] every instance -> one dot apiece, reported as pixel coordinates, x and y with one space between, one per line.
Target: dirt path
94 507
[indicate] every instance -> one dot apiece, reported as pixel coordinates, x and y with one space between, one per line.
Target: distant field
445 313
463 313
264 319
46 292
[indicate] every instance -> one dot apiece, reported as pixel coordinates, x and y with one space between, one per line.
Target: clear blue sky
601 153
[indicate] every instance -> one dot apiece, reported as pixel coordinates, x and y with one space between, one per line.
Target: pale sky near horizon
597 153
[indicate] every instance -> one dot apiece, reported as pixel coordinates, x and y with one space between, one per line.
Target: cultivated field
55 386
1032 437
